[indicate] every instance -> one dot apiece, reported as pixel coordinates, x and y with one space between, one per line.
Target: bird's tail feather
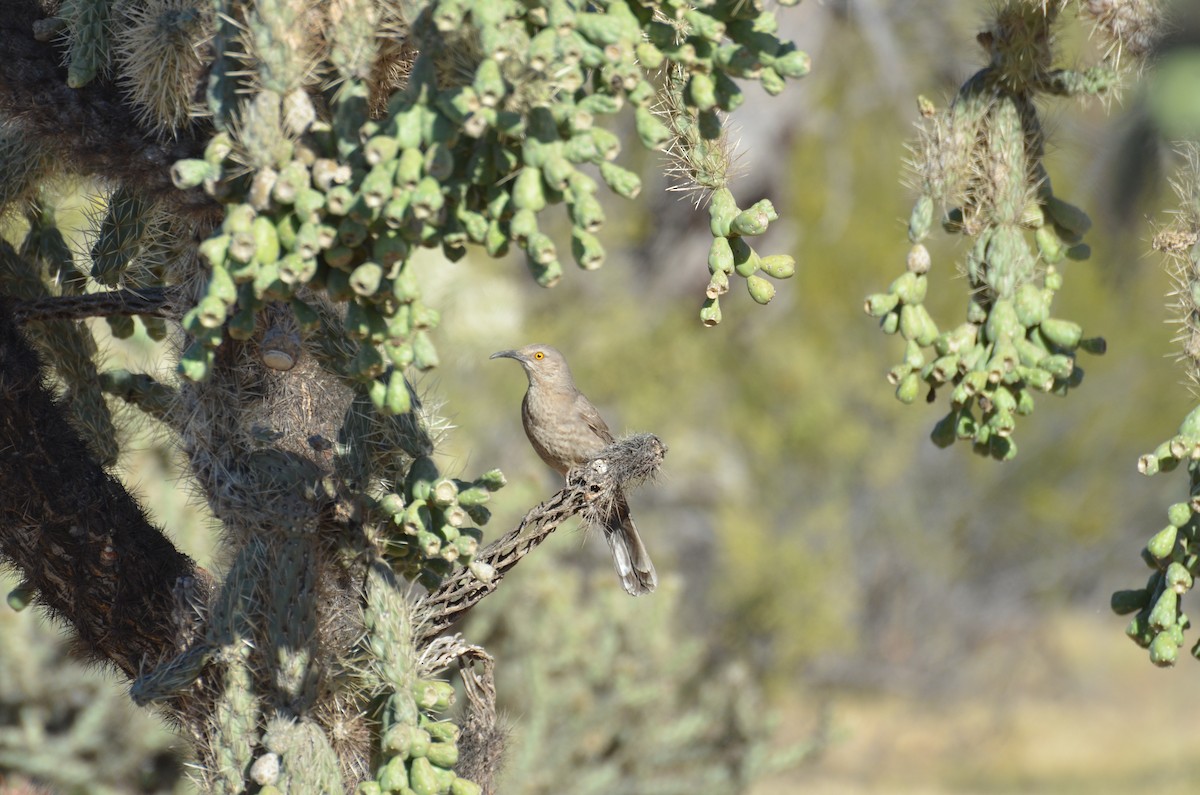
629 553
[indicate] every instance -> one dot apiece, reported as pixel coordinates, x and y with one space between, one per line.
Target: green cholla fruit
720 256
422 778
444 755
760 289
380 149
540 248
410 168
1030 304
1030 354
186 174
890 323
778 266
1052 247
366 278
266 239
1164 651
338 200
489 83
558 172
430 543
1165 610
1179 514
1139 631
587 213
424 354
710 313
753 221
523 225
718 284
908 388
1062 333
1163 542
911 325
1178 578
772 82
400 355
909 288
622 181
427 198
745 260
586 249
1002 322
420 743
701 91
653 133
215 249
1060 366
527 190
793 64
394 776
649 56
880 304
921 219
462 786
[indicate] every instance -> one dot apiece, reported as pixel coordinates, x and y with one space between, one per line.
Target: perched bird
566 430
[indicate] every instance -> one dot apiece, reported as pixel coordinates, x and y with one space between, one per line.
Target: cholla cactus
1158 623
979 162
266 171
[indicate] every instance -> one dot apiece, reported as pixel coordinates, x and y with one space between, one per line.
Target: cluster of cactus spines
1173 553
159 53
980 160
1129 29
479 142
67 344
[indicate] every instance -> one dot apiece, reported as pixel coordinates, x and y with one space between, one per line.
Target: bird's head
542 363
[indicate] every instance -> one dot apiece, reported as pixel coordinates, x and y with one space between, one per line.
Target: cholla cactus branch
153 301
590 490
77 536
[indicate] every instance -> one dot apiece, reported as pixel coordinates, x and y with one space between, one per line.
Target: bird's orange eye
539 355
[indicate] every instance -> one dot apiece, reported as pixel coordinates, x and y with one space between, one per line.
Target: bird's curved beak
508 355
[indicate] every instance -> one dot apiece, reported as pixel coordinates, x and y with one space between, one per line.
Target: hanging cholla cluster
1173 553
981 159
498 119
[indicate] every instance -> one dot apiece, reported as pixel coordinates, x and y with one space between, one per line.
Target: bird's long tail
629 553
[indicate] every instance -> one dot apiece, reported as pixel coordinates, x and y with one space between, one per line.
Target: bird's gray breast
562 427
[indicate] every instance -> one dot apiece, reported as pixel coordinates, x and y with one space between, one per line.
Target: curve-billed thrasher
566 430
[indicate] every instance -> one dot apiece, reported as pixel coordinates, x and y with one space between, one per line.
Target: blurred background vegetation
921 620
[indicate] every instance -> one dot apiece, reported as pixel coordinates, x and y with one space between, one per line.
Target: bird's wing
589 415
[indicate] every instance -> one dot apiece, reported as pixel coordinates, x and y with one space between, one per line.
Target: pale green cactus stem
291 623
121 235
236 713
307 763
88 46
